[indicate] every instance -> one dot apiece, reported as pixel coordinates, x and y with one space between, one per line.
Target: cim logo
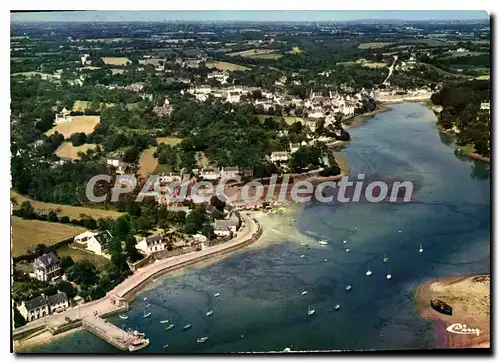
462 329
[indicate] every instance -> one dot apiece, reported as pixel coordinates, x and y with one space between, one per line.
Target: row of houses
41 306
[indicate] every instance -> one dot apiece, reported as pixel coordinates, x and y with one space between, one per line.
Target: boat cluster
168 324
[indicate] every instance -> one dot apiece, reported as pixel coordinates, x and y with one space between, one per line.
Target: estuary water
260 306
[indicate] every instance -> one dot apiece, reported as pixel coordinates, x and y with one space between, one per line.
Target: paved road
104 305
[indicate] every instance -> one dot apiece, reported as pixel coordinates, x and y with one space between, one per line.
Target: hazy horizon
249 15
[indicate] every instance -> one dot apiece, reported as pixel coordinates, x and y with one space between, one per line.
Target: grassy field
115 61
258 53
484 77
168 140
27 233
374 45
373 65
84 124
147 162
117 71
65 210
225 66
81 105
67 150
27 74
79 255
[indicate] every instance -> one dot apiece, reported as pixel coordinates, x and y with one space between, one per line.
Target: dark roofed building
58 301
47 267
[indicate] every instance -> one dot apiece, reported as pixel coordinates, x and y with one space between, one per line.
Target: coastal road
247 231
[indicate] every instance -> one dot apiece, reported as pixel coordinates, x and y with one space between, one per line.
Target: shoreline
359 120
469 297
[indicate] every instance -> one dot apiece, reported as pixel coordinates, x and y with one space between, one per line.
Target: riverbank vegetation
466 111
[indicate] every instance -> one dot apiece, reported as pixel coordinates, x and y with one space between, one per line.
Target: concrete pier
112 334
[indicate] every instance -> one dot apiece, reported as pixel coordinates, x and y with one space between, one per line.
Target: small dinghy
186 327
337 307
326 259
169 326
216 294
209 313
148 305
123 316
310 311
344 242
201 340
146 315
347 249
323 243
389 276
420 249
369 272
165 346
164 321
304 293
348 288
302 256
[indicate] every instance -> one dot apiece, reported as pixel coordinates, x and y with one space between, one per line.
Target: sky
249 15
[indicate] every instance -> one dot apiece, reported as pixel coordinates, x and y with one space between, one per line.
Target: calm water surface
260 287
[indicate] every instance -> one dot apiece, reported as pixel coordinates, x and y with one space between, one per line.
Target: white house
225 227
63 116
210 174
279 156
294 147
46 267
114 161
41 306
233 97
221 77
96 242
58 302
229 172
151 244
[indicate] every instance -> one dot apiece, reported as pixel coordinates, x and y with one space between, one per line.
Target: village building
210 174
151 244
96 242
280 156
63 116
229 172
47 267
41 306
221 77
294 147
164 110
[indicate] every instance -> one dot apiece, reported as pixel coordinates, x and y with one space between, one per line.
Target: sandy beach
44 337
469 296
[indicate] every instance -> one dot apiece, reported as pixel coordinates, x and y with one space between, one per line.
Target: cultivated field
84 124
80 105
65 210
250 53
290 120
374 45
67 150
147 162
225 66
27 233
115 61
168 140
484 77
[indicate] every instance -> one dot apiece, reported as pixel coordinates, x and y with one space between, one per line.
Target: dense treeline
461 108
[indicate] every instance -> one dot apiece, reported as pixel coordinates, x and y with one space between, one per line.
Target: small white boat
302 256
337 307
323 243
310 311
389 276
186 327
304 293
347 249
303 243
400 231
385 259
344 242
164 321
123 316
169 326
348 288
420 249
209 313
145 299
201 340
369 272
148 305
326 259
216 294
146 315
165 346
